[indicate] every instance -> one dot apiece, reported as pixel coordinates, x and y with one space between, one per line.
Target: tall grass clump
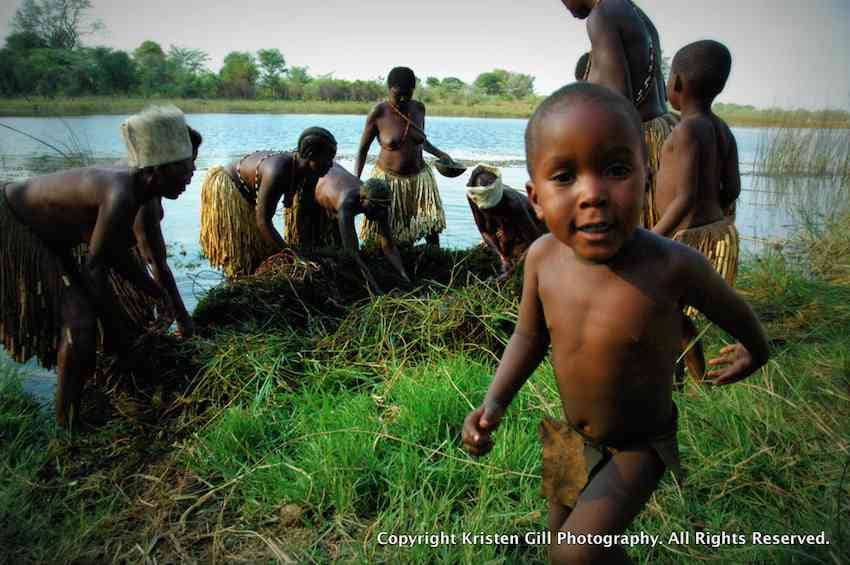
794 151
72 151
301 431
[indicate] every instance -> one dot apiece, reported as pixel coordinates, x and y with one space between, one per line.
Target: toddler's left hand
739 365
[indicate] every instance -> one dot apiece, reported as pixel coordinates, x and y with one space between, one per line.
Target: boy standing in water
614 330
699 176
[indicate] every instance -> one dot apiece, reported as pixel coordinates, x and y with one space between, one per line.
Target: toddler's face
589 178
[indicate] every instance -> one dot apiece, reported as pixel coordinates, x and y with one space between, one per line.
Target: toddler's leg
609 504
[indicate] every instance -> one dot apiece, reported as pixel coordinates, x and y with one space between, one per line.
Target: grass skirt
145 311
32 282
306 224
719 242
655 132
416 209
230 237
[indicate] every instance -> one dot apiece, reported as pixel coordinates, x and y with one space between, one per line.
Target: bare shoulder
692 130
680 262
276 167
544 248
377 111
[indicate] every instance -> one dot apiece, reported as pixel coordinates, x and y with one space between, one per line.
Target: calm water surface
767 208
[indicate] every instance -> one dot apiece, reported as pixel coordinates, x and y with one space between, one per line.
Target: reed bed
789 151
279 436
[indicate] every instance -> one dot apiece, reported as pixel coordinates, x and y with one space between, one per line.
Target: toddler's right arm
526 349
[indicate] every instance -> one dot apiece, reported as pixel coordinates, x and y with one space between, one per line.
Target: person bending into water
238 202
503 215
416 209
699 176
626 56
50 306
340 197
614 329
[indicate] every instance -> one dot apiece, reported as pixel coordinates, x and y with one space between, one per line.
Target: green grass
735 115
303 438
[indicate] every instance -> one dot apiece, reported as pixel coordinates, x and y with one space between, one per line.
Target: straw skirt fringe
145 311
32 282
655 132
230 237
416 209
719 242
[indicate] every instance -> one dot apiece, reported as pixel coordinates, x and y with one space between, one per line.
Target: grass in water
306 429
790 151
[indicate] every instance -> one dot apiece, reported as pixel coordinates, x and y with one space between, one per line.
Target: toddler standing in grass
699 177
607 296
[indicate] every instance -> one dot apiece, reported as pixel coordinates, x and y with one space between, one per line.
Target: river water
767 208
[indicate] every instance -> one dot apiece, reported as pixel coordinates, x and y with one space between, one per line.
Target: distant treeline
30 67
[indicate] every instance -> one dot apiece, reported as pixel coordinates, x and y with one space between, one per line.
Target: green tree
432 82
272 66
493 83
452 84
192 61
59 24
114 71
239 75
519 85
187 65
155 75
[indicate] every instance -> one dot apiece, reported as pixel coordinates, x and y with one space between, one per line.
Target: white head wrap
156 136
486 196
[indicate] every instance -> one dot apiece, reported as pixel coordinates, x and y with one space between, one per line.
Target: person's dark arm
526 349
370 132
271 190
730 179
114 221
610 65
681 177
484 230
351 245
710 294
428 147
389 248
148 230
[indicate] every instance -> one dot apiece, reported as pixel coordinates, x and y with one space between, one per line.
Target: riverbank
738 116
307 420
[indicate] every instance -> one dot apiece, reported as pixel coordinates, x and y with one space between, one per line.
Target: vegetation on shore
307 418
485 107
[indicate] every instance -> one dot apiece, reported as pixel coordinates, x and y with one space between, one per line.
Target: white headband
486 196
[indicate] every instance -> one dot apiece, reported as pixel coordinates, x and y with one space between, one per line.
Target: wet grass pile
311 436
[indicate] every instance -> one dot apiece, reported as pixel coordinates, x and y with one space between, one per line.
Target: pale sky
786 53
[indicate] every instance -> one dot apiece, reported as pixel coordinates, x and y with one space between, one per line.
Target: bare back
622 58
699 161
336 189
63 208
614 330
